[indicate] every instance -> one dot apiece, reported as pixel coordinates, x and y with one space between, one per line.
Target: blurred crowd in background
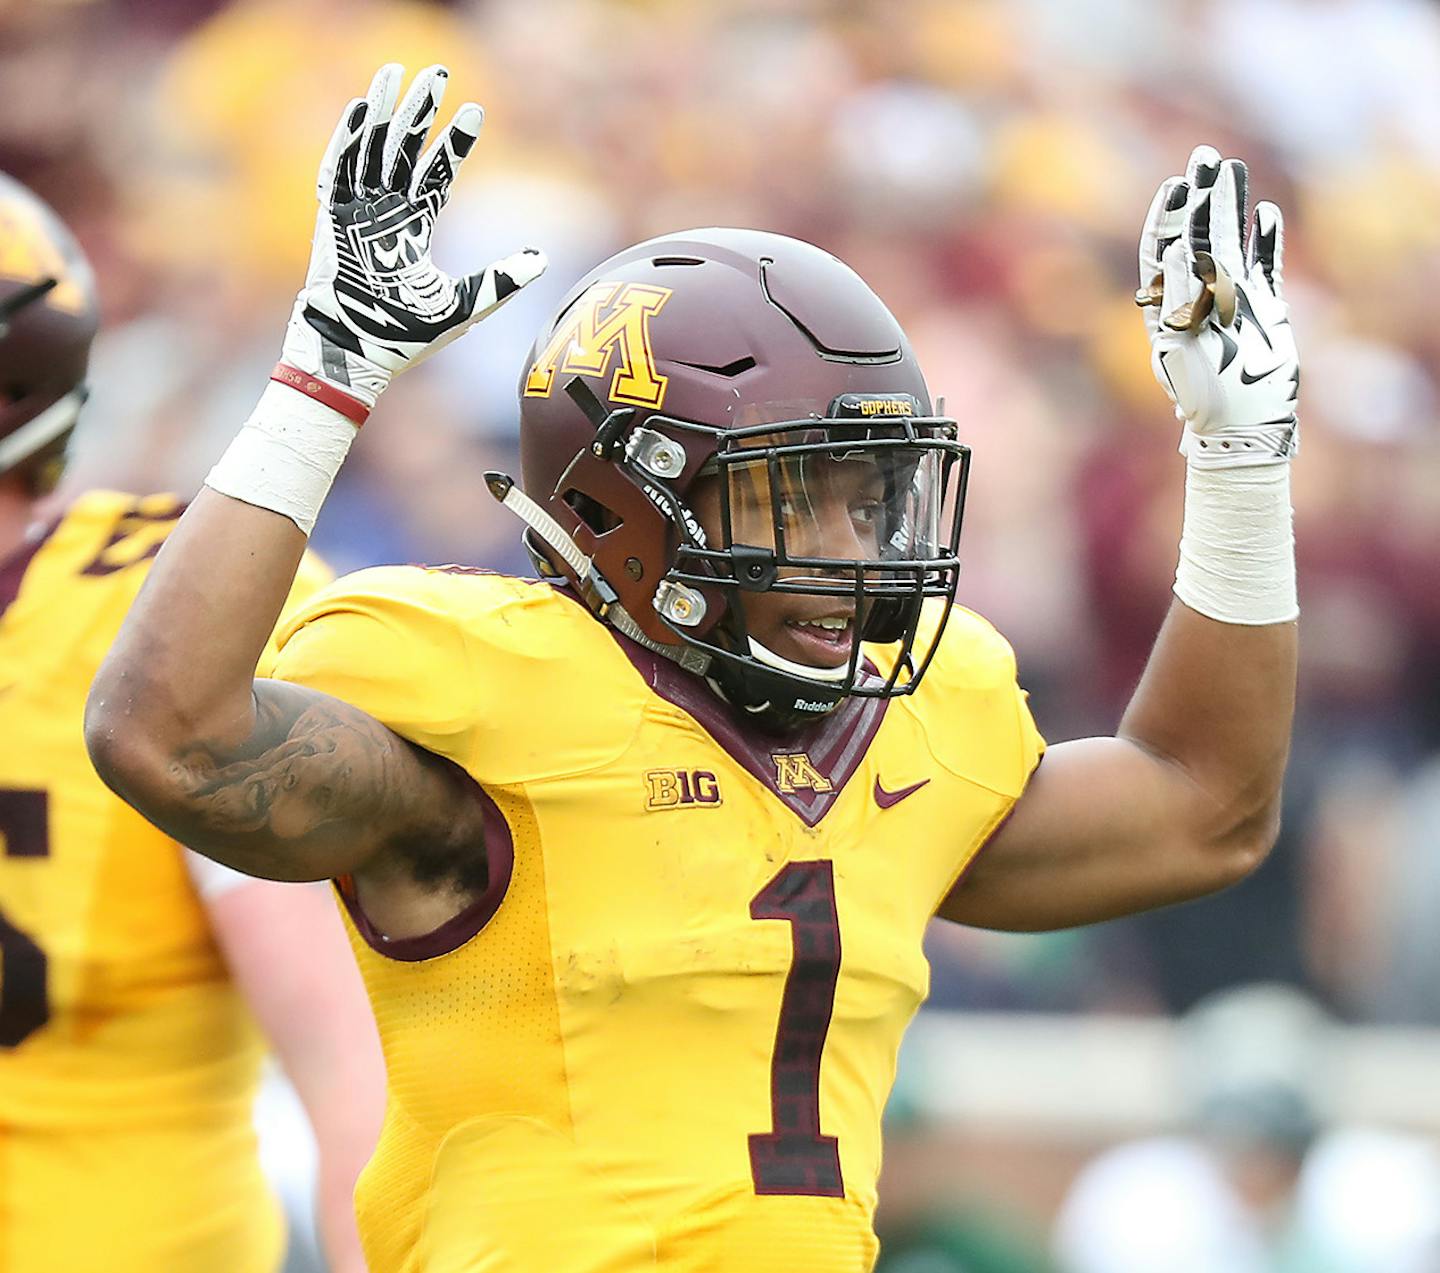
985 165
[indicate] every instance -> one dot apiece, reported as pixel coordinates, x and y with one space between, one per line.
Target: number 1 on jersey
794 1158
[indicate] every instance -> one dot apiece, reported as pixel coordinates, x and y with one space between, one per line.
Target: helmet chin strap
34 435
831 675
597 592
502 487
829 683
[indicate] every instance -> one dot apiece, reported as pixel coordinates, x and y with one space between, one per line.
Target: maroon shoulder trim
456 931
452 569
13 567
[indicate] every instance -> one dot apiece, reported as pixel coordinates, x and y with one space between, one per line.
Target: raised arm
1186 799
274 779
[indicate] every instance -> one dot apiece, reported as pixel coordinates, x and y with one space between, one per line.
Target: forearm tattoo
314 767
307 763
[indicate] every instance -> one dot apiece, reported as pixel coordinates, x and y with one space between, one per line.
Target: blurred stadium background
985 165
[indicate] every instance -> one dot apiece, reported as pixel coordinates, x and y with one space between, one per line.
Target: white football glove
374 302
1235 376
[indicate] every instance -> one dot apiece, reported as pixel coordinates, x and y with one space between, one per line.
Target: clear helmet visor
865 505
831 543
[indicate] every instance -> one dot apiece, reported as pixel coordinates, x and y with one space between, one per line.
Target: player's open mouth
823 642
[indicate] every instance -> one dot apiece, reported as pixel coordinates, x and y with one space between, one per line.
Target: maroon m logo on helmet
585 340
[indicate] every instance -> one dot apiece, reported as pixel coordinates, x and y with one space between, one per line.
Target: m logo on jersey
681 788
795 771
610 321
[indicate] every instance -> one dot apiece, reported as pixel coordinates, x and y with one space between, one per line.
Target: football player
637 858
132 973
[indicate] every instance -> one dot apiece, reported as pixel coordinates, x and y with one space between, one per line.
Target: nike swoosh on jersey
887 798
1247 379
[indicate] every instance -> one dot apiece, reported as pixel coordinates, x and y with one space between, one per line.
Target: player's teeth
833 625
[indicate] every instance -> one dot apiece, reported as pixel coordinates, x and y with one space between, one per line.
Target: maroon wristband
351 408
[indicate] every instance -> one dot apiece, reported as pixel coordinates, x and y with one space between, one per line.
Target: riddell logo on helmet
673 511
805 705
583 343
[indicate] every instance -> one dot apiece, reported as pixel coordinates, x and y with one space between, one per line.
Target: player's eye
867 512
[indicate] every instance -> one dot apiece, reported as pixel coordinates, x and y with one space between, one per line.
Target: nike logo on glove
887 798
1247 379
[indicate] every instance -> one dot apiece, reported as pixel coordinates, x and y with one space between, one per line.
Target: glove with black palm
374 301
1220 336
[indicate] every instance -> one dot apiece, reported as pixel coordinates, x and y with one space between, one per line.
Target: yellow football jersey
128 1062
664 1036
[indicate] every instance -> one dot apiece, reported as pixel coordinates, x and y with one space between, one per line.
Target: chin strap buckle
599 597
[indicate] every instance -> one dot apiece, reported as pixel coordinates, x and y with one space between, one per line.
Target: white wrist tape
1237 550
285 456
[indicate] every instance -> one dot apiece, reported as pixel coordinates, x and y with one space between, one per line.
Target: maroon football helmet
48 318
750 375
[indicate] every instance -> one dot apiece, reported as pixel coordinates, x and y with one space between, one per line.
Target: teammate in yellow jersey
637 857
132 973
